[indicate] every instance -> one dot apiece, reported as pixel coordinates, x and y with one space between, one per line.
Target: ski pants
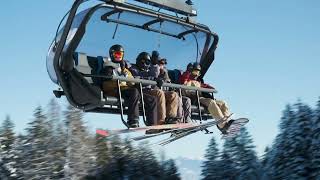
167 103
150 105
131 97
217 108
184 109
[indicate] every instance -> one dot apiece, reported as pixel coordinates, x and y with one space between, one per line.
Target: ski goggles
118 55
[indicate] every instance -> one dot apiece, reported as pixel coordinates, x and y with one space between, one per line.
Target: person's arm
184 77
108 70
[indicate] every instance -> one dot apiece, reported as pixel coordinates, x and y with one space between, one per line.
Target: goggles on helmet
118 55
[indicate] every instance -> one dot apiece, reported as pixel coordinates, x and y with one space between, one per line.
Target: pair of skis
177 131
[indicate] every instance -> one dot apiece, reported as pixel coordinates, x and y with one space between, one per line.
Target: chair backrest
89 65
174 75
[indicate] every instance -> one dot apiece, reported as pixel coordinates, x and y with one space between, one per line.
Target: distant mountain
190 169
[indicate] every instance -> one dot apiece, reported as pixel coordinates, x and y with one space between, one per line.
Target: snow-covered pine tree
118 165
249 165
7 154
230 152
315 146
148 167
57 143
265 161
299 141
170 170
228 169
80 155
102 149
35 148
211 168
276 166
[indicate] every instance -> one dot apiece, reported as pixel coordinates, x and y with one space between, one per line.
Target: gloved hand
159 82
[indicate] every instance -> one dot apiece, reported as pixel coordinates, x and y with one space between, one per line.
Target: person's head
196 69
155 57
162 63
190 67
116 53
143 61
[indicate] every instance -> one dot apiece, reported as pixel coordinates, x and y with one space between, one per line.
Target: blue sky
268 56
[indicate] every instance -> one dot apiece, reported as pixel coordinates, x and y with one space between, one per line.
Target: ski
130 130
233 130
177 130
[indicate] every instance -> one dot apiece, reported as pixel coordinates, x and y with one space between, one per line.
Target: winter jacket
110 87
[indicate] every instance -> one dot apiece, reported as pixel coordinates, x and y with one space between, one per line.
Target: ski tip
102 132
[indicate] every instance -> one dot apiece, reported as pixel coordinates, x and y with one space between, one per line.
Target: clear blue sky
268 56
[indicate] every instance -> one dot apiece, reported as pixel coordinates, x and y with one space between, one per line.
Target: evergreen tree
211 166
265 162
249 166
102 147
170 170
229 159
118 165
7 154
57 143
315 144
36 163
80 155
228 169
299 141
147 164
7 134
277 165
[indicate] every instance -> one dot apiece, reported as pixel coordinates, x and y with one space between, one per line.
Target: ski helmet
116 53
189 67
196 68
143 60
155 57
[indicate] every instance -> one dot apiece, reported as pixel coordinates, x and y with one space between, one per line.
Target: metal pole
143 108
121 106
199 107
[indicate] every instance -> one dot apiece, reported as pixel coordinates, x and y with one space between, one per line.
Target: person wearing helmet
167 100
217 108
184 104
118 67
186 75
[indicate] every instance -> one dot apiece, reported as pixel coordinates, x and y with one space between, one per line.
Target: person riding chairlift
167 100
184 107
217 108
131 95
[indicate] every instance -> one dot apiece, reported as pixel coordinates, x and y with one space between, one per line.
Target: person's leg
223 107
161 104
150 105
180 110
172 102
186 104
214 109
132 97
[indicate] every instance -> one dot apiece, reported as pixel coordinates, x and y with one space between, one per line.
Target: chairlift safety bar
150 82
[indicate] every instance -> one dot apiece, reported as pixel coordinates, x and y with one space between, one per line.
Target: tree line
57 145
294 154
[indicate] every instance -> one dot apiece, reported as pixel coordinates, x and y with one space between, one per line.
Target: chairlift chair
80 47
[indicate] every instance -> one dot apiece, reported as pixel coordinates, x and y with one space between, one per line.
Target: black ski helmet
116 49
155 57
143 60
189 67
196 66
